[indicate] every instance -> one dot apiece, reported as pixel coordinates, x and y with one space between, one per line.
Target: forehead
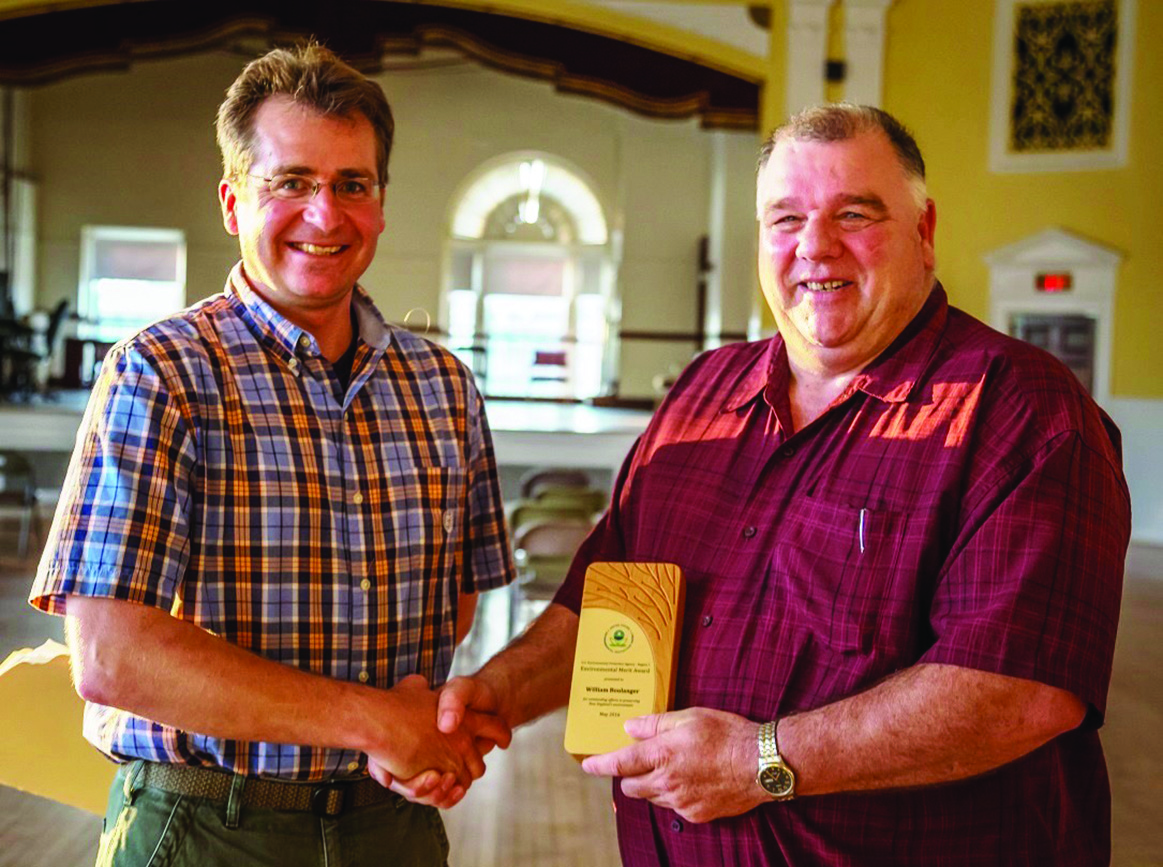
812 170
288 135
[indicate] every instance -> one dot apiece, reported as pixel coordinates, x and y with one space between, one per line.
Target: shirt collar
891 377
278 332
894 374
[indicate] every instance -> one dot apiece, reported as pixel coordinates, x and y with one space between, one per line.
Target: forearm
925 725
143 660
465 614
531 676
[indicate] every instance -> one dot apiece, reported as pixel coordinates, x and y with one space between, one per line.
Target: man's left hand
699 762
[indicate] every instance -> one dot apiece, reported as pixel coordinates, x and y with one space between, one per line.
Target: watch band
774 776
768 748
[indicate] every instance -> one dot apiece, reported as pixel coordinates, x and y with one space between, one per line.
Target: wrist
774 776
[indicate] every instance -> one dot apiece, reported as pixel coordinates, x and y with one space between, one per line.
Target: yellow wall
937 80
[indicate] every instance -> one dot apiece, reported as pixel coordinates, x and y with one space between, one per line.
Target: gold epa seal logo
618 638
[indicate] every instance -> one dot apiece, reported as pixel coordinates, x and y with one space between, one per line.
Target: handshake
435 742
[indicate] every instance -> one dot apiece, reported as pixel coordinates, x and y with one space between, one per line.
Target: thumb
453 702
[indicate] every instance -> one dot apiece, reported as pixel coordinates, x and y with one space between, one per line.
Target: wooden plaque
627 651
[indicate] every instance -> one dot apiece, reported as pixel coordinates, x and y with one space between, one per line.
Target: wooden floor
535 808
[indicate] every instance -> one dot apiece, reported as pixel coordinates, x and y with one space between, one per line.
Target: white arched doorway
529 282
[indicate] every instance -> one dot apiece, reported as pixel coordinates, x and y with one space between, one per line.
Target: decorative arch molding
641 65
499 179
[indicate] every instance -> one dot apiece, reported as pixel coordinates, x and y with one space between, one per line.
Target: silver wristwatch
775 775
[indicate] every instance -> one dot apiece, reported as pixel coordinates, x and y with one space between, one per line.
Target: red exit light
1055 282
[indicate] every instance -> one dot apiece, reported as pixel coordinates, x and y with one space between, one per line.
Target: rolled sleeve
122 526
1032 588
490 563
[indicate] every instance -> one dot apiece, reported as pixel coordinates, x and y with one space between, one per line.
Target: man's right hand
466 706
429 765
460 698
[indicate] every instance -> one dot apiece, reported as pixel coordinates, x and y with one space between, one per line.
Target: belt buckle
321 799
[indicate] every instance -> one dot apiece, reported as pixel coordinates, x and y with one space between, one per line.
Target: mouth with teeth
316 249
824 285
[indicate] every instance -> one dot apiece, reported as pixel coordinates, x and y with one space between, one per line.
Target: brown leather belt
322 799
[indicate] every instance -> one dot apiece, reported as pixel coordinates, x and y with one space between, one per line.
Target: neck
330 324
812 391
334 334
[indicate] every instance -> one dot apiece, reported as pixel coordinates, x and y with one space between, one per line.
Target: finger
642 727
452 798
420 786
487 725
627 762
645 788
474 763
453 702
380 774
485 745
413 681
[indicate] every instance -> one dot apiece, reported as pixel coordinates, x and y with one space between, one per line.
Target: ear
927 228
228 199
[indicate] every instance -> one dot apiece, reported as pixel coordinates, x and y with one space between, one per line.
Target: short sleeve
1032 586
121 526
489 561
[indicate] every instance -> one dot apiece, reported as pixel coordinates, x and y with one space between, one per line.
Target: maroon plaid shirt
961 503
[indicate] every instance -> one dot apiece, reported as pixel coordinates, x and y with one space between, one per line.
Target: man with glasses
276 520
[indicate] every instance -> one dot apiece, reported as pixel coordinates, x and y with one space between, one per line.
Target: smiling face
845 252
304 256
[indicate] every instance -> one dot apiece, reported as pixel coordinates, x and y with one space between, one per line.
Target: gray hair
842 121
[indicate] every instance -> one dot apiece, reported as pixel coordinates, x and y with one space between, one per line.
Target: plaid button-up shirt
224 474
961 503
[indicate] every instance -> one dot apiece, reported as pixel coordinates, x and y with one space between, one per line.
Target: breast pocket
426 509
847 575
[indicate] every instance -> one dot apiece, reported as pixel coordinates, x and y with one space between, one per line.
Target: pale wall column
23 208
716 226
807 51
864 25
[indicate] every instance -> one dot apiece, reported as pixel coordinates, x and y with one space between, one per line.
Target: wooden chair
18 493
536 479
543 552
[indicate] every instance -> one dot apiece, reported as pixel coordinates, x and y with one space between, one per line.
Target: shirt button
365 585
748 532
357 498
293 364
304 341
676 825
448 518
363 676
708 620
353 766
787 451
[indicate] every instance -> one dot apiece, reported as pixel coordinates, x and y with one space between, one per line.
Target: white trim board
1141 422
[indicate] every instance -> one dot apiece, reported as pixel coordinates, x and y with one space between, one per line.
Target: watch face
777 780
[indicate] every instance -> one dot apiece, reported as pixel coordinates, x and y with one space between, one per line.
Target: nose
818 239
323 210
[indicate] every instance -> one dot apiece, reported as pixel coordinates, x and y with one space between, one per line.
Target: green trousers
147 827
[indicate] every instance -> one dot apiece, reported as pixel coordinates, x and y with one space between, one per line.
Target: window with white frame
530 279
130 276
